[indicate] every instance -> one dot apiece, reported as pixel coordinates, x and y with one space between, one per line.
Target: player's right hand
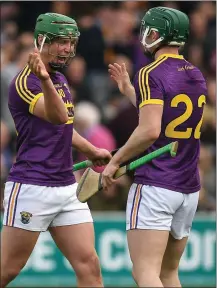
37 66
119 74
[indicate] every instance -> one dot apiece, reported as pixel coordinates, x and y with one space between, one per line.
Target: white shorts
155 208
36 208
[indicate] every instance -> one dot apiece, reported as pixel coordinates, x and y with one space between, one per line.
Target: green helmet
171 24
53 25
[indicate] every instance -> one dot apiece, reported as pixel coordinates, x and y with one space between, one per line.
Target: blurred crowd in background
109 33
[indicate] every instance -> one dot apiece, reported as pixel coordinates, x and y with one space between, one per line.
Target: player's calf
170 264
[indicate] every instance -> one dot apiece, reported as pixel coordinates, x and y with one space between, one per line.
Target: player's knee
169 268
8 274
9 270
89 265
144 271
171 265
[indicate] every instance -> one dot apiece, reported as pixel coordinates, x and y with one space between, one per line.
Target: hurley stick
90 182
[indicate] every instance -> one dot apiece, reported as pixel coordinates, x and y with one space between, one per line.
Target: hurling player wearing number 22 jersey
40 192
169 95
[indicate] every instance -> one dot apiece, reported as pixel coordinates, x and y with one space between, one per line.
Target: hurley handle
172 148
82 165
88 163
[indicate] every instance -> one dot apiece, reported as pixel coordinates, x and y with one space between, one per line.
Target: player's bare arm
50 107
99 157
143 137
120 75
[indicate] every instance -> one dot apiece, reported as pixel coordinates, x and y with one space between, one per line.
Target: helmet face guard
57 28
59 61
144 32
171 24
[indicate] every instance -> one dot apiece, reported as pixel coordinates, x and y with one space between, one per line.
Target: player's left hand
108 174
100 157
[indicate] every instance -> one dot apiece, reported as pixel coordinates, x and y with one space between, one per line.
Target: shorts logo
25 217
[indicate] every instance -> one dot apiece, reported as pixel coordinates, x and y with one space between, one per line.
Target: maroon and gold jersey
44 150
180 87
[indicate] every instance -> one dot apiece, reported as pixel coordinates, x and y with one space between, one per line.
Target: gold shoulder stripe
140 84
21 86
140 80
144 86
25 83
146 74
141 73
18 88
24 88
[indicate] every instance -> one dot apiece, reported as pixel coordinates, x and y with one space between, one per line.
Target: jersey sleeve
28 89
148 89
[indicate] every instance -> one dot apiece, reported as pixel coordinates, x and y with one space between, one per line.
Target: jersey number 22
170 129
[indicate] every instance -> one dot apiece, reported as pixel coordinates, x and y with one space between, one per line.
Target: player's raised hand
119 74
37 66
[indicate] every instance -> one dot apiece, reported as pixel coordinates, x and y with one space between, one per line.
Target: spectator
87 123
76 75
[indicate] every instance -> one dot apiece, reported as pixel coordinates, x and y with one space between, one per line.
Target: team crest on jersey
25 217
